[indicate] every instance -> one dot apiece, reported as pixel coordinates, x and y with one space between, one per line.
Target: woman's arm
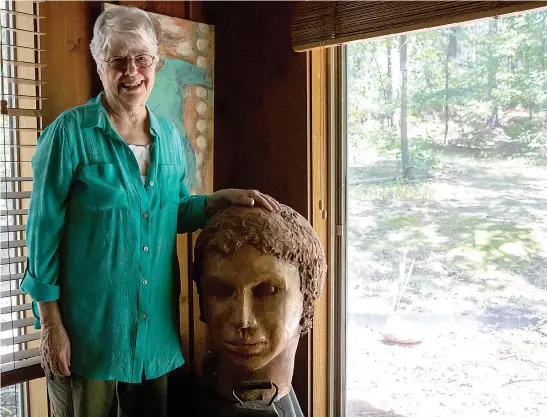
53 170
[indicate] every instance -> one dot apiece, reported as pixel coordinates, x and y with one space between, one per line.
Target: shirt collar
95 115
154 122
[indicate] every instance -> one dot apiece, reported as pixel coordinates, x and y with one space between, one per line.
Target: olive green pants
75 396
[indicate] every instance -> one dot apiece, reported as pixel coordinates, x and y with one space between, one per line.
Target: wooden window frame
326 126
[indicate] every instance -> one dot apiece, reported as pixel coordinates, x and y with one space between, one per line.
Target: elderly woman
109 198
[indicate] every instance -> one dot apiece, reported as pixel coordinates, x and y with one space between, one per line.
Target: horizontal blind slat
24 112
8 45
15 260
17 324
17 30
16 308
15 179
22 14
22 129
24 81
10 293
12 228
21 364
23 97
8 244
11 277
23 64
15 194
14 212
29 337
19 146
19 355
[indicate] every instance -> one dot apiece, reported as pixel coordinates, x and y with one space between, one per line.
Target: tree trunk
390 80
530 103
451 51
492 73
543 40
405 155
446 109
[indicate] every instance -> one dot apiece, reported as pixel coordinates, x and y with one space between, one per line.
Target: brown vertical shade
328 23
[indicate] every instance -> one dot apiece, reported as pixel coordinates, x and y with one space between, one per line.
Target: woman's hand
55 350
234 197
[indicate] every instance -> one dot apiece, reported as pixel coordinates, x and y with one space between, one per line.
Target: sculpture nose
243 317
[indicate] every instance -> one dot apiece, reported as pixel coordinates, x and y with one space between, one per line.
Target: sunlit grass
399 190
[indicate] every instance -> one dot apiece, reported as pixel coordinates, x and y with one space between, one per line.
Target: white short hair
122 22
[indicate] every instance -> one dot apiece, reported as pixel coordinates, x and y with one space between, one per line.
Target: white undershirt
142 155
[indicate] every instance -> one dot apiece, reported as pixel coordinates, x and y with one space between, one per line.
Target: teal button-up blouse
103 244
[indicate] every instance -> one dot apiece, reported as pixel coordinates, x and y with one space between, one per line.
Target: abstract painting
184 91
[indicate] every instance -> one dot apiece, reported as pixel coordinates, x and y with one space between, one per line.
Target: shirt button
144 282
145 215
145 249
151 183
143 316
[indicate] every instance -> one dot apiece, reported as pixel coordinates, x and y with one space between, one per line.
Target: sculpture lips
244 348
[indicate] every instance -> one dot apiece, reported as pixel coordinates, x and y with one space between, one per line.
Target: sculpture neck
279 371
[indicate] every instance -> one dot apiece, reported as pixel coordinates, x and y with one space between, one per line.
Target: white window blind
20 126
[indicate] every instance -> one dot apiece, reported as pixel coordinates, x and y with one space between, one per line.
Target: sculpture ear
303 326
195 273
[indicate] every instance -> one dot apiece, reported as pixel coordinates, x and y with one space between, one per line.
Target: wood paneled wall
70 75
260 101
191 10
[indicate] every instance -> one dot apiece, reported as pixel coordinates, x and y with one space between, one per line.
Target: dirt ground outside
477 233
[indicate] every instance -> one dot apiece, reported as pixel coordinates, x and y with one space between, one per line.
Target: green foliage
464 84
423 155
526 130
532 134
385 140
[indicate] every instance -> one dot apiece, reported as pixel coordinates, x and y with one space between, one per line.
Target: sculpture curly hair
286 235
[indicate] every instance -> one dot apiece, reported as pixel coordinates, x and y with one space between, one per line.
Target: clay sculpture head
259 275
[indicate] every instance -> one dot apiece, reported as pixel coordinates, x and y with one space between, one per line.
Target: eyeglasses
120 63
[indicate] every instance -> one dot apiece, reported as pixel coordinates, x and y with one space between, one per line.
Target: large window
446 235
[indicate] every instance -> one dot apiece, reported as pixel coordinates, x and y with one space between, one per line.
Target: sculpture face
253 305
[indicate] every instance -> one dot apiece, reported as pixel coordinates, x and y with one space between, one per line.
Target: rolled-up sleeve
53 169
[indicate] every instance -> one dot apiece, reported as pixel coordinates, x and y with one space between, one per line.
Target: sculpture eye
220 290
265 290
